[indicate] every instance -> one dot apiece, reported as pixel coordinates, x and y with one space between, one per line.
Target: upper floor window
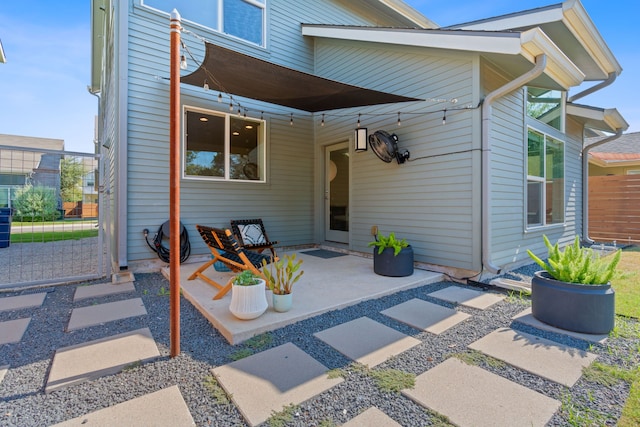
223 146
244 19
546 106
545 179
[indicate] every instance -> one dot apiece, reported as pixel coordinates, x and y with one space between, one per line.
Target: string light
206 85
245 113
231 104
261 115
183 62
399 121
359 119
220 97
291 120
444 117
239 112
322 122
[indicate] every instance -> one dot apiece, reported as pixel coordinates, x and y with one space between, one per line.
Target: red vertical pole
174 185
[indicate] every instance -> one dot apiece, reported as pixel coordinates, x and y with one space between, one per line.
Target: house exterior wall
510 236
431 200
286 201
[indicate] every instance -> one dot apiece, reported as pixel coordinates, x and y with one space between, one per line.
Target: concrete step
468 297
11 331
372 417
22 301
542 357
472 397
92 315
268 381
366 341
426 316
164 408
102 289
525 317
88 361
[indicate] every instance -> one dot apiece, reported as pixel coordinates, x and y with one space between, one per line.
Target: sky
43 84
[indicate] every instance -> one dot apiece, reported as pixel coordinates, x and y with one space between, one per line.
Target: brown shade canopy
242 75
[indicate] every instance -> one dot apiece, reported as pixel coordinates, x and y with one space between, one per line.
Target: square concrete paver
94 359
467 297
102 289
546 358
164 408
12 330
96 314
22 301
366 341
272 379
527 318
372 417
472 397
3 372
426 316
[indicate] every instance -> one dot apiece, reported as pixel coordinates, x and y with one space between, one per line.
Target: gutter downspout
585 183
610 79
537 70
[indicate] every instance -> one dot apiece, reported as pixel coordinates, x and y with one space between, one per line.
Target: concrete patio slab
367 341
327 284
426 316
546 358
472 397
468 297
102 289
527 318
22 301
3 372
372 417
97 314
94 359
164 408
12 330
268 381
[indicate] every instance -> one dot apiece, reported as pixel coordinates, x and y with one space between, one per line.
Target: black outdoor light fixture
361 139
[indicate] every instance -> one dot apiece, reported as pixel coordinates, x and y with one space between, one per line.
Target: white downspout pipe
487 103
585 183
610 79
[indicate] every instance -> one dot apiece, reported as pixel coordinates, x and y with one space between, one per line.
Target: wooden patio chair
252 235
225 248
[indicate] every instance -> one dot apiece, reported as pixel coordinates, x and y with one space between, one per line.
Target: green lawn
53 236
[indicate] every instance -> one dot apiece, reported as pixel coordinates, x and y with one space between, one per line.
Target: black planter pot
588 309
388 264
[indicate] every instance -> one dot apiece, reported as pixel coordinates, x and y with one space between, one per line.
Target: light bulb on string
399 121
359 119
219 96
291 120
231 104
444 117
261 115
322 122
239 111
183 62
245 113
206 85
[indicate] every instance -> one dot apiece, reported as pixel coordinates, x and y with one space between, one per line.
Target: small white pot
248 302
282 303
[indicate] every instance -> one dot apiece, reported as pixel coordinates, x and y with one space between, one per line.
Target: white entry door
337 193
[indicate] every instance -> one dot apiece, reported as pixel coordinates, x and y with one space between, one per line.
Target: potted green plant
574 292
281 276
248 299
391 256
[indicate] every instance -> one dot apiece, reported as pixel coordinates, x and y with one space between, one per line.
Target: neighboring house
29 161
620 156
495 145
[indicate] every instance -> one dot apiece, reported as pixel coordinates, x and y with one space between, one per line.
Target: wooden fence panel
614 208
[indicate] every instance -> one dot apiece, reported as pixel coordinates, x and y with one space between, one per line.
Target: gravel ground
23 402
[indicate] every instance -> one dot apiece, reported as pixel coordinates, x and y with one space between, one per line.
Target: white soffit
527 44
607 119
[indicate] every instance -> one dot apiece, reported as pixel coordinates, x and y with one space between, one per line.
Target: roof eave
98 12
607 119
3 58
406 11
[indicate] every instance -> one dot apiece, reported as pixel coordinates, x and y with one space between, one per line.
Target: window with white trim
220 146
545 179
244 19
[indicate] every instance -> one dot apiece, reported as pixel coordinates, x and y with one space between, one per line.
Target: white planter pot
248 302
282 303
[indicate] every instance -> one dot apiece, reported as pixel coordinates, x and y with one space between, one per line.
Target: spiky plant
576 264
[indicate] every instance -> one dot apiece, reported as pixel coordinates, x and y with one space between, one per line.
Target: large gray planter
588 309
388 264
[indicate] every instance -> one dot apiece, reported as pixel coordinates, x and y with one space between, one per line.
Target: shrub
36 204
